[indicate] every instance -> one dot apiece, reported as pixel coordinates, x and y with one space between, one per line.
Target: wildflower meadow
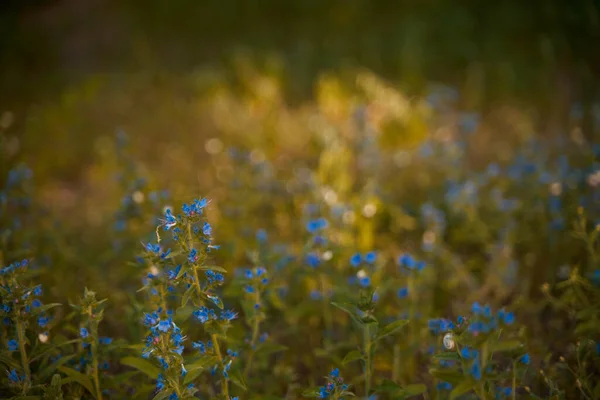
369 245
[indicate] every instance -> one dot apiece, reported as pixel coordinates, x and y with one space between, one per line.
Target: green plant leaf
507 345
45 307
415 389
141 365
312 392
464 387
80 378
449 376
349 309
164 394
186 295
352 356
391 328
388 386
270 348
237 379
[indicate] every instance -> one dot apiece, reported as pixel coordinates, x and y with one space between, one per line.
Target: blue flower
313 260
407 261
193 256
402 292
248 273
13 345
13 377
105 340
261 235
365 281
203 314
476 371
355 260
525 359
335 373
160 382
371 257
36 303
228 315
37 291
316 225
83 332
43 321
199 346
206 229
164 325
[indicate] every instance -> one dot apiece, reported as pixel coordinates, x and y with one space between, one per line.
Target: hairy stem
24 360
255 332
368 360
224 384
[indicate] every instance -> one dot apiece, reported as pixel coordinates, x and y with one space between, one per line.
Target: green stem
396 363
24 360
326 312
368 360
224 385
514 382
94 348
255 332
95 367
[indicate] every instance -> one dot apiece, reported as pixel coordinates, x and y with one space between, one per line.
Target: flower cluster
335 387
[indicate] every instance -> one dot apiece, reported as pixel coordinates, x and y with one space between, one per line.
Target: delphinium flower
21 310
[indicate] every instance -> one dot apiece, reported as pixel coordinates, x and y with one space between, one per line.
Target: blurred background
73 70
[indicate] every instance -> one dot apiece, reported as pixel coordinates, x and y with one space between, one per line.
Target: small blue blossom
371 257
402 293
355 260
83 332
13 345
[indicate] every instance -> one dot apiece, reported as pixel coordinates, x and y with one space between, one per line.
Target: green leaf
237 379
447 355
388 386
80 378
142 365
163 394
45 307
270 348
464 387
8 361
507 345
415 389
391 328
352 356
196 368
50 369
349 309
446 375
53 347
312 392
186 296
